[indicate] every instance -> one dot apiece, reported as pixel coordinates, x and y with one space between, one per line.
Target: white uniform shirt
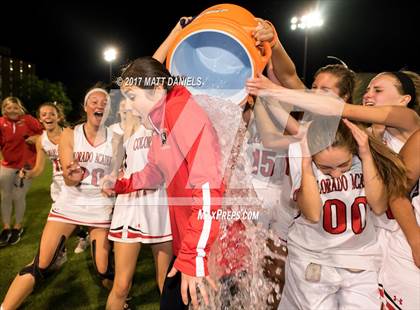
386 220
51 150
345 236
136 150
96 162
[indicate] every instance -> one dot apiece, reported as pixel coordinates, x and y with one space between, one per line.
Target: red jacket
16 152
185 154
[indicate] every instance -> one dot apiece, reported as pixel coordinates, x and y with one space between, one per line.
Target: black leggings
171 298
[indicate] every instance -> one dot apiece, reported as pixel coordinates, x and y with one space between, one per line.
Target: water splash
238 258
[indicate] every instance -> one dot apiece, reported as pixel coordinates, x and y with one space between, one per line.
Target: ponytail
390 167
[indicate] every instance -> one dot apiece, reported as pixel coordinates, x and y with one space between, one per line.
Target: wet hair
390 167
58 108
14 100
143 70
415 78
346 79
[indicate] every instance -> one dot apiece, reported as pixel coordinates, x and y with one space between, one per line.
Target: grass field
75 286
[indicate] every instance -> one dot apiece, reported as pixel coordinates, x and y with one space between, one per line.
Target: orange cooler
218 50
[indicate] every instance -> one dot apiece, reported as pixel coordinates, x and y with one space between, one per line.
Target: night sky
65 40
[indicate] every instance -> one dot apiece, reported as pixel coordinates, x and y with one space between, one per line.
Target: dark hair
58 108
144 70
413 104
390 167
346 82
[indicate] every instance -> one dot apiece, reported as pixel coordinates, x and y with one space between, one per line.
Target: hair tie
93 90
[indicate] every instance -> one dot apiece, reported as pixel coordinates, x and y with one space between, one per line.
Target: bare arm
162 51
308 197
402 210
398 117
282 114
271 136
32 139
118 153
401 207
72 173
40 161
283 67
409 155
403 118
375 188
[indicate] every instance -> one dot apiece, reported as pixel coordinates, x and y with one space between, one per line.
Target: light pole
305 23
110 54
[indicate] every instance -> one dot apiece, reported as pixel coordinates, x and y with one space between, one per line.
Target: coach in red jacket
18 133
185 154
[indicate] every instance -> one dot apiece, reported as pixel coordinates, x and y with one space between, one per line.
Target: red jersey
16 152
184 153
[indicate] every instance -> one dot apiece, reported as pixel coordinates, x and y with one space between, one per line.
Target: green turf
75 286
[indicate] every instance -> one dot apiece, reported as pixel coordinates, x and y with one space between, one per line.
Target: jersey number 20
97 174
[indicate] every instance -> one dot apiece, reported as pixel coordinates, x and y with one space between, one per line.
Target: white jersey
136 149
116 128
84 204
51 150
140 216
271 182
398 244
387 221
400 278
268 166
345 236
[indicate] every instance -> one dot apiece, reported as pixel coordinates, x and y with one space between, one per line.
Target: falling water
237 258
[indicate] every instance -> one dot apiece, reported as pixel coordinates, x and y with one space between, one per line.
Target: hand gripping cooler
218 48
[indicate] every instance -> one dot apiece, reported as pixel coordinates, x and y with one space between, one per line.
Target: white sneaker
61 259
82 245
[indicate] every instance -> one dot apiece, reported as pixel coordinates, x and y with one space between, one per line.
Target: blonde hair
14 100
390 167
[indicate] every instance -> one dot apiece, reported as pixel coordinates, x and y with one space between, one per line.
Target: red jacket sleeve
198 142
1 132
34 125
148 178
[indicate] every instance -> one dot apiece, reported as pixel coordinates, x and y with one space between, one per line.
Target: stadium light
305 23
110 54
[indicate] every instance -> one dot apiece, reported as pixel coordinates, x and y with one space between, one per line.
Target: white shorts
89 214
277 213
399 283
137 220
328 288
384 236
